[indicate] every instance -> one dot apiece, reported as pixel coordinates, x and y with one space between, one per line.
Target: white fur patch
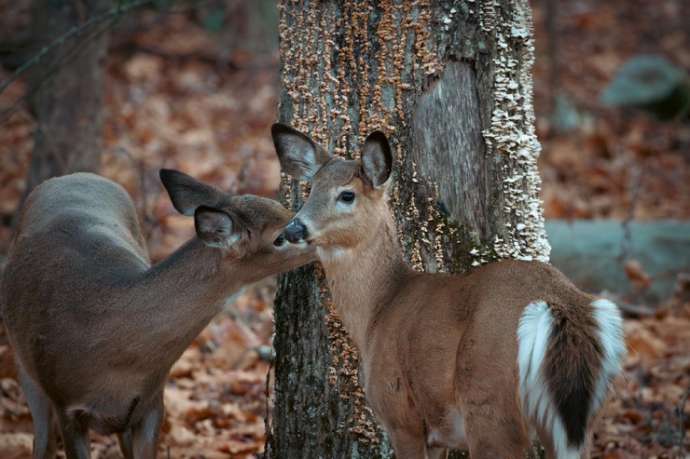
610 324
451 433
331 254
533 333
224 244
458 438
287 246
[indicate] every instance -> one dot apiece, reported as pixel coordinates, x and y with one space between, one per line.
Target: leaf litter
211 122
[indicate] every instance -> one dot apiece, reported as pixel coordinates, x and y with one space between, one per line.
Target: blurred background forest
194 87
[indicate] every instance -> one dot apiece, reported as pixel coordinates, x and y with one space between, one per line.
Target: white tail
534 332
95 328
479 360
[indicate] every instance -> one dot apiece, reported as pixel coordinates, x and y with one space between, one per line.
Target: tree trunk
67 90
450 83
15 31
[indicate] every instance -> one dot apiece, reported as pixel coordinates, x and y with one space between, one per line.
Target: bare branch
75 31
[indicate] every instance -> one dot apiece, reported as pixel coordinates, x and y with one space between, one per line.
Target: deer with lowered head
95 327
483 360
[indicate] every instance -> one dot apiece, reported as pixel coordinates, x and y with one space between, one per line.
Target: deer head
244 228
347 202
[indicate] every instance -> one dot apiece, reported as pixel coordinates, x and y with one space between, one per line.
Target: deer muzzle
296 231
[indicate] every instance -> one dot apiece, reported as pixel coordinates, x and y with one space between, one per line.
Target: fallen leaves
170 103
649 413
213 411
590 171
15 445
636 274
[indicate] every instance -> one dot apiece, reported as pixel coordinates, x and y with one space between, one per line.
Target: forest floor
170 103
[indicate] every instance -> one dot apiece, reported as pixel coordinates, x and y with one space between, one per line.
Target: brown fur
572 364
434 344
95 327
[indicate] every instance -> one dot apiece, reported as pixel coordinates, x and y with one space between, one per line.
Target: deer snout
296 231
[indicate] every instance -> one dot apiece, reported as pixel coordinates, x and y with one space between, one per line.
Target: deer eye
280 240
346 196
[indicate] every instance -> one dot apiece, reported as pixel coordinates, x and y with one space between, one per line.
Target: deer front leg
75 435
145 433
42 416
407 445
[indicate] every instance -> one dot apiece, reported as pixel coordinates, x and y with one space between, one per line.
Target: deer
95 327
487 360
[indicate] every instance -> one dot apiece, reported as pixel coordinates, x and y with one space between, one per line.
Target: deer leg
75 435
42 415
490 435
125 441
546 440
145 433
436 453
407 446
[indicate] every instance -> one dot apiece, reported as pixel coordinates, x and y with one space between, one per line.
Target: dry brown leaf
636 274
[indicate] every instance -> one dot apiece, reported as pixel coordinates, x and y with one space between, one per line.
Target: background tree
450 82
67 89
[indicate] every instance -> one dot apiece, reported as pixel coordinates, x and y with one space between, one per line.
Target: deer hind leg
407 445
41 408
436 453
146 432
546 440
491 434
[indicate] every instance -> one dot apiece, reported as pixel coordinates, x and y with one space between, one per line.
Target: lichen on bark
512 132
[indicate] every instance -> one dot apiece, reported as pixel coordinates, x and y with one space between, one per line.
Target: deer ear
187 193
299 156
377 160
215 228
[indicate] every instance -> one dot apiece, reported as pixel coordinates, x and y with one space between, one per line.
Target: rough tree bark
67 90
450 83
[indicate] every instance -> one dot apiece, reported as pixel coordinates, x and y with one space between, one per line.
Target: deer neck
176 299
364 279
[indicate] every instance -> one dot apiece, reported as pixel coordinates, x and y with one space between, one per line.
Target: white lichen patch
487 15
511 133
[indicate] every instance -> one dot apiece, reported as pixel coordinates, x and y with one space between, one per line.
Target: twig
681 418
267 419
634 310
7 113
75 50
73 32
635 185
147 198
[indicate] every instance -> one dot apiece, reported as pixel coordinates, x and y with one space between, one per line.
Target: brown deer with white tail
483 360
95 328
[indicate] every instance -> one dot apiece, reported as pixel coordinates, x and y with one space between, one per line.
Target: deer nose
295 231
